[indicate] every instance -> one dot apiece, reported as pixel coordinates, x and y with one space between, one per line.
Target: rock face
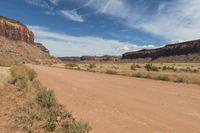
185 48
41 47
15 30
17 45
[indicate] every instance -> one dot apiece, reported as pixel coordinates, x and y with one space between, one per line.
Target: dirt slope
117 104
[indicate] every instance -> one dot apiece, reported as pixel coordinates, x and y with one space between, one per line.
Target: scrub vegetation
34 108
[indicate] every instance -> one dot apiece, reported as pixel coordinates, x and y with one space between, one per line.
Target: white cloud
61 44
39 3
72 15
173 20
181 21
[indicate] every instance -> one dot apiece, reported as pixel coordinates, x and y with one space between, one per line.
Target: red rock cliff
15 30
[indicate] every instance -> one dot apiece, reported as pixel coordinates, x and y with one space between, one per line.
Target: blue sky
98 27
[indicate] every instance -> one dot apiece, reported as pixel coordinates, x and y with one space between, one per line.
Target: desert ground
120 104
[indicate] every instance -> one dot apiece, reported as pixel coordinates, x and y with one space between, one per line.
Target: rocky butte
17 44
178 49
15 30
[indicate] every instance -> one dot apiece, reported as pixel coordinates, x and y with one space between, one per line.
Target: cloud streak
61 44
72 15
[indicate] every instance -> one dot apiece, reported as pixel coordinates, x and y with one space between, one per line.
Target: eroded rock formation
17 45
15 30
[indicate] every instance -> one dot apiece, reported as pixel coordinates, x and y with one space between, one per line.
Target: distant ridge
177 49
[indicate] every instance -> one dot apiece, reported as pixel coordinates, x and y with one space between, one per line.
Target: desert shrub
50 125
179 80
138 66
137 75
164 68
169 68
92 66
111 72
46 98
150 67
71 65
188 69
22 76
133 67
22 72
22 84
163 78
79 127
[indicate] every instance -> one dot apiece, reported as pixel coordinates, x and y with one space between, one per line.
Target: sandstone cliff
17 44
178 49
15 30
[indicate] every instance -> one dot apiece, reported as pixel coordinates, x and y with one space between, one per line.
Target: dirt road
118 104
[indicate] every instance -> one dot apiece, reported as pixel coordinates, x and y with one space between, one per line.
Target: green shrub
138 66
133 67
79 127
150 67
163 78
169 68
50 126
46 98
92 66
22 84
111 72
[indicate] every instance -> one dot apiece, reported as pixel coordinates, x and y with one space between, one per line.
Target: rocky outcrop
17 45
185 48
15 30
41 47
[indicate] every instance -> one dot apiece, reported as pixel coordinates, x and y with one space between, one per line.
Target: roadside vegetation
35 108
175 72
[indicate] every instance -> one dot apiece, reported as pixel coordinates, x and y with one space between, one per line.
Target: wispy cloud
55 2
72 15
39 3
61 44
172 20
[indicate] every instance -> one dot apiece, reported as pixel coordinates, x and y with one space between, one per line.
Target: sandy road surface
117 104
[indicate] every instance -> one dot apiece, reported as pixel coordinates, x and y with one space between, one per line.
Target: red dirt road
118 104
